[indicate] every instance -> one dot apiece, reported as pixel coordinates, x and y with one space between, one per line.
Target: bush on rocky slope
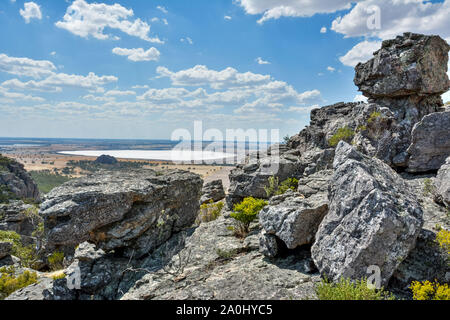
10 283
345 289
245 212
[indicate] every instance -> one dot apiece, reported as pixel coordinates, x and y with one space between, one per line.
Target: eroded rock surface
212 191
15 180
373 219
135 211
442 184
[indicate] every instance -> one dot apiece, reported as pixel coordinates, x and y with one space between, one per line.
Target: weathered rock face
212 191
133 211
373 219
430 144
5 249
16 180
18 217
442 184
411 64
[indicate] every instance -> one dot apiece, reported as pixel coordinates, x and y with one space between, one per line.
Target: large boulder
16 181
5 249
212 191
105 159
442 184
293 218
374 219
430 144
133 211
411 64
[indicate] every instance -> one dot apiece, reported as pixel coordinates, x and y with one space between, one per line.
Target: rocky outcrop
373 219
212 191
404 82
15 180
430 143
442 184
105 159
412 64
133 211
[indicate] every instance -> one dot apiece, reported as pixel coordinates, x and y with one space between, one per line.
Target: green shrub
274 188
346 134
55 260
345 289
374 116
10 283
245 212
227 254
26 254
430 291
427 186
209 211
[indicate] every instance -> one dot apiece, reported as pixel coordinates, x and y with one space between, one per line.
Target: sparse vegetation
55 260
10 283
246 212
374 116
227 254
346 134
443 239
26 254
345 289
92 166
427 187
209 211
46 180
275 188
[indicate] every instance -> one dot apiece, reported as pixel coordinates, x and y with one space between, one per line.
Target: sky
134 69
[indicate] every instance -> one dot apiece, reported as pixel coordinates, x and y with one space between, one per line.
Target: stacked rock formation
14 180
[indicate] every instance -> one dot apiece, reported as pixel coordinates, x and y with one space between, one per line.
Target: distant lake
167 155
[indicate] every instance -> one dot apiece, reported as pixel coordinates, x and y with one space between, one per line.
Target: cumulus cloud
162 9
187 39
227 17
331 69
25 67
387 18
275 9
323 30
11 96
120 93
56 81
201 75
84 20
138 54
30 11
362 52
261 61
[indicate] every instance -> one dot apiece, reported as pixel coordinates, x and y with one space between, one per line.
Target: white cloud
84 20
331 69
4 92
25 66
138 54
274 9
323 30
394 17
303 109
261 61
187 39
31 11
140 87
360 98
362 52
162 9
56 81
201 75
53 53
227 18
120 93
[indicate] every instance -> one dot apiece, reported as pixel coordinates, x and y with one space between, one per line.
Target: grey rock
212 191
268 244
133 211
430 144
18 217
442 184
44 289
293 218
373 219
411 64
5 249
15 179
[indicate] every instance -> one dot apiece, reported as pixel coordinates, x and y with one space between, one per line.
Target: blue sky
142 69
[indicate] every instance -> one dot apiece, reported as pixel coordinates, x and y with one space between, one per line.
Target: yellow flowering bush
430 291
443 238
